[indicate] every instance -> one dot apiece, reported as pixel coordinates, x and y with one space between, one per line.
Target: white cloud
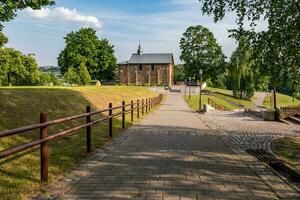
65 14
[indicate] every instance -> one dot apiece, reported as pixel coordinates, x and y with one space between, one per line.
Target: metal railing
217 106
145 105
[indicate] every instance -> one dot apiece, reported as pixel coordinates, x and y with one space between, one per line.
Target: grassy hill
227 95
282 100
21 106
194 101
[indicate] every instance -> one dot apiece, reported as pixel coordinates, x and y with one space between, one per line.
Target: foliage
71 76
48 78
84 74
3 39
98 55
179 74
199 49
32 75
17 69
242 76
277 50
11 66
8 8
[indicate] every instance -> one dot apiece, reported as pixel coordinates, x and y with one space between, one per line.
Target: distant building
51 69
147 69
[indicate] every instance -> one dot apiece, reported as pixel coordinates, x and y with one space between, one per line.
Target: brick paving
174 154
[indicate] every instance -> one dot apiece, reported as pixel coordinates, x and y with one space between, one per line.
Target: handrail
145 104
217 106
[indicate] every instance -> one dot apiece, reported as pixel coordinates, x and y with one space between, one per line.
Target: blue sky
158 23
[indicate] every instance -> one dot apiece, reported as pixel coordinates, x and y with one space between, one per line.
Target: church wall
132 75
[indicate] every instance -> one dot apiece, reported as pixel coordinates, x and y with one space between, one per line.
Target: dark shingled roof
152 58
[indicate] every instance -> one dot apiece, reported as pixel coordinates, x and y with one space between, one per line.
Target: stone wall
163 74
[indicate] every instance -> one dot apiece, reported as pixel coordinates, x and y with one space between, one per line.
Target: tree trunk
9 80
275 98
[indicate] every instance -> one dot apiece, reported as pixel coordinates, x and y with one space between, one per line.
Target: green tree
84 45
11 66
84 74
241 72
3 39
9 8
71 76
277 50
179 74
32 75
199 49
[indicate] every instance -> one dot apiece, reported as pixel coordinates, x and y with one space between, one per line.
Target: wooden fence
216 106
289 111
144 105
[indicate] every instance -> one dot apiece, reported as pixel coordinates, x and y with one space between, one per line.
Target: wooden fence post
138 109
142 106
44 148
123 114
131 109
110 123
146 105
88 131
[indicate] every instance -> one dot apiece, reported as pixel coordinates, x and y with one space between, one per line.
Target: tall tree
11 66
241 72
9 8
199 49
32 75
84 74
98 55
276 50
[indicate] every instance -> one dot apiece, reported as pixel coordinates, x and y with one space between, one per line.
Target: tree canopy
3 39
98 55
8 8
17 69
277 50
199 49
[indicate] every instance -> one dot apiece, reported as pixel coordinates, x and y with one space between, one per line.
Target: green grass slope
194 101
227 95
19 106
282 100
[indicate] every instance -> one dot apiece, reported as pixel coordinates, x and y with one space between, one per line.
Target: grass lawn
194 102
289 150
282 100
227 95
21 106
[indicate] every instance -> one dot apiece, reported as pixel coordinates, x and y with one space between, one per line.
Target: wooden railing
216 106
289 111
145 105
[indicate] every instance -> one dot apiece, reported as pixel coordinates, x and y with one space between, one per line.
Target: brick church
147 69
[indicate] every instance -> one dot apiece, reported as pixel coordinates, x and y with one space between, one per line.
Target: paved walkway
259 98
172 154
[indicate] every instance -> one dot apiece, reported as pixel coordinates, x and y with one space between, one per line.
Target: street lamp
184 87
190 80
200 95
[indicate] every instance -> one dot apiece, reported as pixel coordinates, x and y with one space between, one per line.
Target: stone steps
294 119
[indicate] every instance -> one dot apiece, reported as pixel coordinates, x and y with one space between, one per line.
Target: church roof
152 58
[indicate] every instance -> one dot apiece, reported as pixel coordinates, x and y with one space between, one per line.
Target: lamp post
200 95
184 87
190 80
